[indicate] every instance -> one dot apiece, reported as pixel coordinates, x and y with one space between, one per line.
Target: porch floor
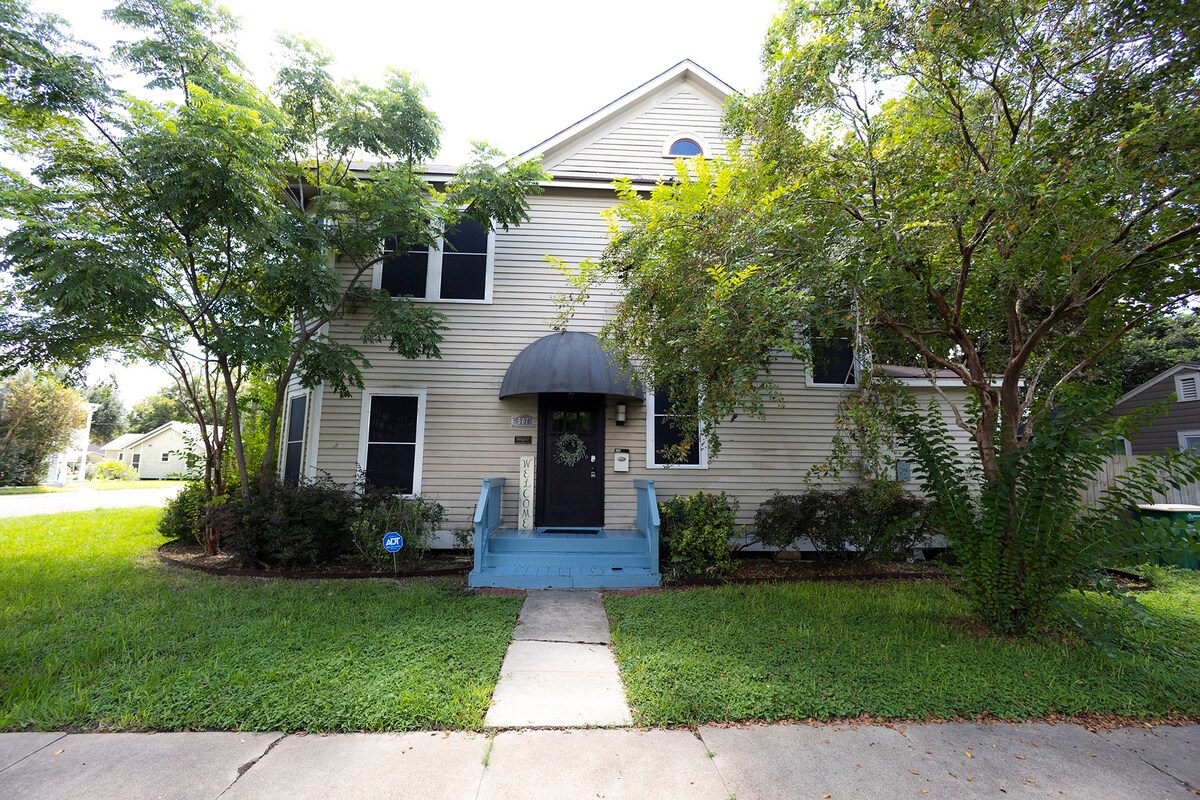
566 558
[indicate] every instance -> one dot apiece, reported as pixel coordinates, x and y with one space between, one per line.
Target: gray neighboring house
1178 390
160 453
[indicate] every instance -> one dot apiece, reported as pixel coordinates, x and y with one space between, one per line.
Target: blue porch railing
647 520
487 516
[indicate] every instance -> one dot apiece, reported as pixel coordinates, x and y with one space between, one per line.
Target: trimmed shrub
414 518
184 514
287 526
695 533
110 469
877 521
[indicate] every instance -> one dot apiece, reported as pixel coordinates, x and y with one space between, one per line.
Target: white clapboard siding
633 146
1117 465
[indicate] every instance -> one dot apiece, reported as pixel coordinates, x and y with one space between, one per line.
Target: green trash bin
1177 515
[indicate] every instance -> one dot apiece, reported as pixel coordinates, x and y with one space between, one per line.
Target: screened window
392 442
666 435
137 460
293 443
833 363
458 269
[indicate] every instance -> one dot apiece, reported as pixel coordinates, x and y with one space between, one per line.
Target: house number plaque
524 421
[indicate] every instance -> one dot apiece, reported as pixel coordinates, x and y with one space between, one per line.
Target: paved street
21 505
762 761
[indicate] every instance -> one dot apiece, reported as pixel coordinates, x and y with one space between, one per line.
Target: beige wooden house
161 453
508 388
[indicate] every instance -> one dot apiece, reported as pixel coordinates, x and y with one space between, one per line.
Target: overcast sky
511 72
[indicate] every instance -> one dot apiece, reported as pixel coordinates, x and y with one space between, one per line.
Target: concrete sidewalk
953 760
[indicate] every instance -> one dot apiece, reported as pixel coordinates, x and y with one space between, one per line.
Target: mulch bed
192 556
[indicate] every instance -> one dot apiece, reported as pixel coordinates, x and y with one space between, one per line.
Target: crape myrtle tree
199 231
1002 190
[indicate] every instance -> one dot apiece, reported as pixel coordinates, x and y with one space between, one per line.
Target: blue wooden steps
602 559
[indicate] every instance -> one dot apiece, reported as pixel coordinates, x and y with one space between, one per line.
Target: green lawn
833 650
96 634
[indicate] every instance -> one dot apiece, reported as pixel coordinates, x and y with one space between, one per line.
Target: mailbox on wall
620 461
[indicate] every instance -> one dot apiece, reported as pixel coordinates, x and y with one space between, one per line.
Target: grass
5 490
813 650
96 634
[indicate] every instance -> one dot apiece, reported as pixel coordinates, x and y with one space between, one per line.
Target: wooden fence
1116 466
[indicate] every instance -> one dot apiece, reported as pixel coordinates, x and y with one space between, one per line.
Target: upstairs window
459 268
833 363
684 145
665 435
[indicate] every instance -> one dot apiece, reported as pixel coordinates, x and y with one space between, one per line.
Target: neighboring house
508 390
1177 392
161 453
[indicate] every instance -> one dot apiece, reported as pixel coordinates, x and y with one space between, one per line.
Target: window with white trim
664 436
684 144
166 456
293 439
137 460
392 438
458 269
833 363
121 456
1189 440
1187 388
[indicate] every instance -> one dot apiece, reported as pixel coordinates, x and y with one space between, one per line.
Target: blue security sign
392 542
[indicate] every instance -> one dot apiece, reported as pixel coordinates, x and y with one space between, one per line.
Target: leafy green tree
108 421
158 409
1161 343
1001 190
38 416
197 232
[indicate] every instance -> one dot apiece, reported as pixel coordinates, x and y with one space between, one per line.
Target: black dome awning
568 362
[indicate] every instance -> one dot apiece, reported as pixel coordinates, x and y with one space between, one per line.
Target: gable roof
122 441
685 72
1183 366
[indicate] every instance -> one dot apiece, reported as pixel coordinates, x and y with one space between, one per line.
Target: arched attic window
684 145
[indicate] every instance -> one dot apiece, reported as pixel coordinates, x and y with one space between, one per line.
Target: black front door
570 479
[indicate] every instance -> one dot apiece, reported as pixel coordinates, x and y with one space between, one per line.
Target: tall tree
158 409
108 421
38 416
1002 190
198 232
1162 342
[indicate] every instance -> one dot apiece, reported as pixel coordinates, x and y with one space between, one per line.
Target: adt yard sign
392 542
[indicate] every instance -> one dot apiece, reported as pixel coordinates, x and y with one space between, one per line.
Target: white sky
512 72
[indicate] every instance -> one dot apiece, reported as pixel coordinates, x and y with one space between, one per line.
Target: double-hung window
458 269
391 439
665 435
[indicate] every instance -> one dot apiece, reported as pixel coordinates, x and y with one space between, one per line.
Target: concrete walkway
559 670
953 760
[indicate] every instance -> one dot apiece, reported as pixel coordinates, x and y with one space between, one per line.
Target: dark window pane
291 463
583 423
464 276
296 407
393 419
404 274
833 362
667 438
468 236
663 404
390 466
558 422
686 148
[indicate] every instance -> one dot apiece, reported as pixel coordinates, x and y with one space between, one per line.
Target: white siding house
439 427
160 453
